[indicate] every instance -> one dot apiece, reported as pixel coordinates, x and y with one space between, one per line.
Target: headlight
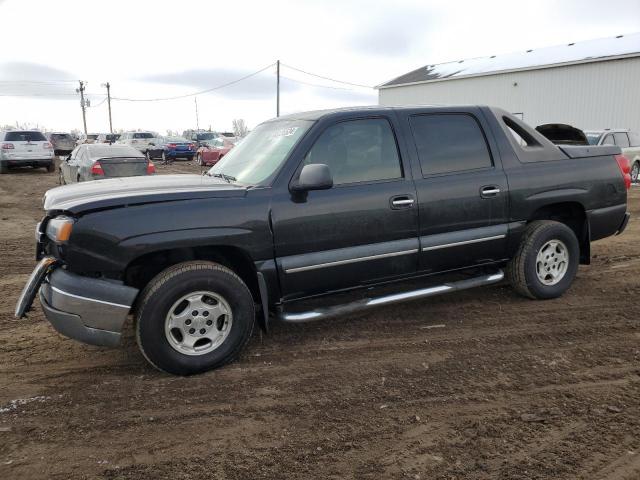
59 228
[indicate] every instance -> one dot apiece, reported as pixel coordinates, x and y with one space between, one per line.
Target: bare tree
240 128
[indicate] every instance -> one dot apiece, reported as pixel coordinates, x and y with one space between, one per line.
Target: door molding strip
350 260
464 242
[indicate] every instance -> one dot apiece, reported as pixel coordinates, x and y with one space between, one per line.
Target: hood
118 192
562 134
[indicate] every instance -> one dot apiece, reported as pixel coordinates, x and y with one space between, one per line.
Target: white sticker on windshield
284 132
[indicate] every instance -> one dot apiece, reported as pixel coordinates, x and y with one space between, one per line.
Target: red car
212 151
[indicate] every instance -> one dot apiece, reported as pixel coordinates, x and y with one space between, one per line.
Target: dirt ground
481 384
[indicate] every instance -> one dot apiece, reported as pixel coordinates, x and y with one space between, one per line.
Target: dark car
170 148
97 161
63 143
320 214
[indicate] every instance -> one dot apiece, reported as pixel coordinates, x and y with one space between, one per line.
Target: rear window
61 136
206 136
24 137
142 135
449 143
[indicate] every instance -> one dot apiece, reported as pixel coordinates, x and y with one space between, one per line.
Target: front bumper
87 309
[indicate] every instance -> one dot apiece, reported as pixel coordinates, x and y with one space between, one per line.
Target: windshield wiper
224 176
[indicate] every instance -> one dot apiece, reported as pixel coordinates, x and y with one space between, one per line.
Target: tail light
47 145
97 169
625 167
7 146
151 168
171 145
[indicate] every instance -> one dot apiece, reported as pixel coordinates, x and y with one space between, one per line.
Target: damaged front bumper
86 309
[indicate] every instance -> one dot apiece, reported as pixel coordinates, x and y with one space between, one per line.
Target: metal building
591 85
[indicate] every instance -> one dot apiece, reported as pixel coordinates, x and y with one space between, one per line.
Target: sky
158 49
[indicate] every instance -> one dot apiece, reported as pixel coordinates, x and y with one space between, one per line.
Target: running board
322 313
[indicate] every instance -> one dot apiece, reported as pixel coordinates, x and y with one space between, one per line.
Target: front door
360 231
462 192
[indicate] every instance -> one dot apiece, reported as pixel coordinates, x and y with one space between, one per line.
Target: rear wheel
51 167
546 261
193 317
199 159
635 172
4 168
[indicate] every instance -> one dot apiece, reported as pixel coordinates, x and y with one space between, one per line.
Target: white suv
629 143
25 148
140 140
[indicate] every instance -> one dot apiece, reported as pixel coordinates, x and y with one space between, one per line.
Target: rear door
461 188
360 231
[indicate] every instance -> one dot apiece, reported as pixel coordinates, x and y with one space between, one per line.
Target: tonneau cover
590 151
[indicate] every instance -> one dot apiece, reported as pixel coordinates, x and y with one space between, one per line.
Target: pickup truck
320 214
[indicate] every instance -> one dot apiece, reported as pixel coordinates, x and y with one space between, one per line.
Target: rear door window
24 137
634 139
608 140
449 143
142 135
621 139
358 151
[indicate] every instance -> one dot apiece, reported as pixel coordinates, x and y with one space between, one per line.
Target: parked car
213 150
562 134
25 148
88 138
63 143
99 161
107 138
170 148
383 204
200 137
628 141
139 140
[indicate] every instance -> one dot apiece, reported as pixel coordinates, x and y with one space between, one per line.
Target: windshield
262 152
593 137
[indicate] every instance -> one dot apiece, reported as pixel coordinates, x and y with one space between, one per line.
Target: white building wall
595 95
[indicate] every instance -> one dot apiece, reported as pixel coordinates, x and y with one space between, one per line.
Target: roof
572 53
103 150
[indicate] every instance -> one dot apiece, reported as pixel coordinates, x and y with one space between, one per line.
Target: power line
228 84
326 78
316 84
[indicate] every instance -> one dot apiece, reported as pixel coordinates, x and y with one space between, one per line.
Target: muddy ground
478 385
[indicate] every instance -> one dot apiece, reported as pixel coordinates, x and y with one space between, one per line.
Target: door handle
489 191
402 201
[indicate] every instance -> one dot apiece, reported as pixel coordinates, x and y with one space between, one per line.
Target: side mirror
315 176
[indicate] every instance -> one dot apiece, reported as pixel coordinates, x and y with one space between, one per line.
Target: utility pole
83 105
109 104
195 99
278 88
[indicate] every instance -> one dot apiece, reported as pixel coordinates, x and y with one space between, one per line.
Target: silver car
98 161
629 143
25 148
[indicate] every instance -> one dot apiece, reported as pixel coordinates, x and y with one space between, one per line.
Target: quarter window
449 143
358 151
608 140
621 139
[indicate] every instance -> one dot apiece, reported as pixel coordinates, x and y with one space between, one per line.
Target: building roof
578 52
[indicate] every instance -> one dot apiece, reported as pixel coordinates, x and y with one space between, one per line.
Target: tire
527 268
199 159
4 168
147 155
51 167
165 347
164 158
635 172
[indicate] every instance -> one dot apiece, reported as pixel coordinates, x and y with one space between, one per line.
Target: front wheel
199 159
635 172
546 261
193 317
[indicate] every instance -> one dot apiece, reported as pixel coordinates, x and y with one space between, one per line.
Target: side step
322 313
